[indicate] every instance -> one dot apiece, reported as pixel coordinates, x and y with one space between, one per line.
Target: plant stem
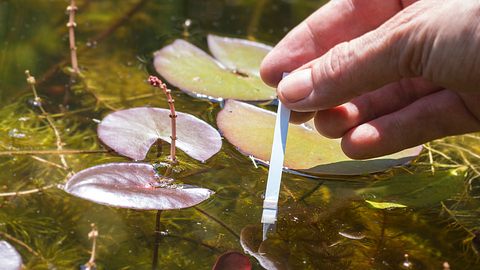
31 82
194 241
72 8
98 38
221 223
51 152
93 234
121 21
156 82
26 192
23 244
53 164
257 14
157 240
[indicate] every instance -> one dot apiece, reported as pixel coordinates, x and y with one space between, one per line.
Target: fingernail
296 86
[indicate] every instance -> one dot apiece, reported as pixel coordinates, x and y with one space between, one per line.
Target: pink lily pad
9 257
232 260
238 54
250 129
133 186
132 132
197 73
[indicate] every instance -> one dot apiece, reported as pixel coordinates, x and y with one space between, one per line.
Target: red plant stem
158 236
156 82
72 8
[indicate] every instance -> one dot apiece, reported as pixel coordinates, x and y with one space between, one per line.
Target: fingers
434 116
335 22
385 55
300 117
334 123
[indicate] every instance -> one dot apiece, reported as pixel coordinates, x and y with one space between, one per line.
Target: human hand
383 75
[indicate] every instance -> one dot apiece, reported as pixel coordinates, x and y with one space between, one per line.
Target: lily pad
9 257
250 129
133 186
232 260
195 72
240 55
251 242
132 132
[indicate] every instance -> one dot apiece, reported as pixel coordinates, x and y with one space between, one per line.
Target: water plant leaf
251 242
194 71
306 149
9 257
240 55
384 205
232 260
132 132
417 190
133 186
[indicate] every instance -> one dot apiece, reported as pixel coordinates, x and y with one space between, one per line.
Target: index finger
335 22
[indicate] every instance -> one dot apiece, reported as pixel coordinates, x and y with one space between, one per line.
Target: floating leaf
132 132
251 242
194 71
237 54
306 149
417 190
9 257
232 261
132 185
384 205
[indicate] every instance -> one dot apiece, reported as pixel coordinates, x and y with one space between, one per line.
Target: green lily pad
250 129
195 72
240 55
417 190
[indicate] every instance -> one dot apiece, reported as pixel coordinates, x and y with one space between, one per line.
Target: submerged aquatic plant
113 80
71 9
93 235
137 185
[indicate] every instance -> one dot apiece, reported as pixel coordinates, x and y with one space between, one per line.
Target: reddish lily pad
240 55
133 186
194 71
251 130
132 132
232 260
9 257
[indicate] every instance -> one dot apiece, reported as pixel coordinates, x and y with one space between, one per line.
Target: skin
383 75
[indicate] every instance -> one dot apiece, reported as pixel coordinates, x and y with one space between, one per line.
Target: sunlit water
322 223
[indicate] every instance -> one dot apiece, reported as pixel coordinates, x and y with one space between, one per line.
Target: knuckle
332 70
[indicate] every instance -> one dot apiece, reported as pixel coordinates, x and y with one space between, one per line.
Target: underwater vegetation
87 180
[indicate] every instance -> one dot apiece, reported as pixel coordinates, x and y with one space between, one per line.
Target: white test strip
272 192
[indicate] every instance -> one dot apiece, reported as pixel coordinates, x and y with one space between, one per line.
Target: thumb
352 68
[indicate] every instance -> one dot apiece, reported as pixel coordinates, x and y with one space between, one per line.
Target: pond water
324 223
